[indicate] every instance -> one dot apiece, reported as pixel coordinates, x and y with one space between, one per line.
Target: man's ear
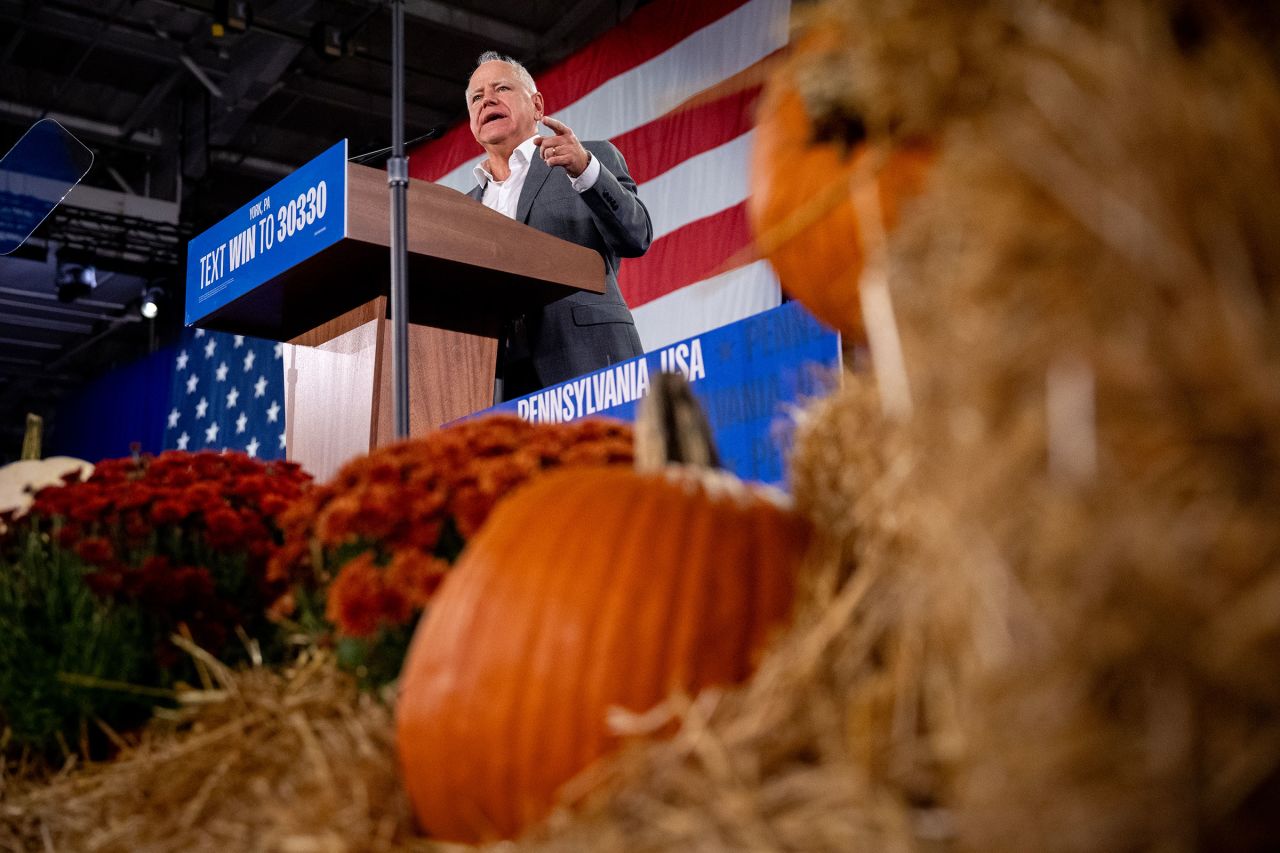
538 104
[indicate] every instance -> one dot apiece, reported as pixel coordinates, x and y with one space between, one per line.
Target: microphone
368 156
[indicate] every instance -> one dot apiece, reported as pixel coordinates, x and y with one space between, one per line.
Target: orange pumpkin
801 209
585 590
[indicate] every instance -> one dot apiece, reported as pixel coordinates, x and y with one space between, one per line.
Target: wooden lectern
470 269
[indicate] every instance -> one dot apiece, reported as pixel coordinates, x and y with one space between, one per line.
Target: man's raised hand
563 148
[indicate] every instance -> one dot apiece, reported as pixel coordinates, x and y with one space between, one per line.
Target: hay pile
1047 613
1061 624
1090 308
294 760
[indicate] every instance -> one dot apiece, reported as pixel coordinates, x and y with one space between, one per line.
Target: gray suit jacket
585 331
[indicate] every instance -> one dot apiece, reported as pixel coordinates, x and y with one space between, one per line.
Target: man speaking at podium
577 191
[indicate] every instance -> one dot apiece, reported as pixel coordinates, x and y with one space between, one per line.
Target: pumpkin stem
31 440
671 427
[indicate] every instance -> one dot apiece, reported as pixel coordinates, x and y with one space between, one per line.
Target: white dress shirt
504 196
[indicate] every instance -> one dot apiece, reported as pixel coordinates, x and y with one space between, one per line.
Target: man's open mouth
492 117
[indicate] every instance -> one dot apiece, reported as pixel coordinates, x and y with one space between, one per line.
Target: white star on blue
245 415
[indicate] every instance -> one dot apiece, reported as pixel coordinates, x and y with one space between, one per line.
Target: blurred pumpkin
588 589
19 481
800 206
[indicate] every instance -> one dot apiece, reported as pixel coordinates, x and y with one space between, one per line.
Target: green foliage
67 658
376 661
98 576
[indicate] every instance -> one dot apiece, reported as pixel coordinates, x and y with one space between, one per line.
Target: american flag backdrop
227 393
674 88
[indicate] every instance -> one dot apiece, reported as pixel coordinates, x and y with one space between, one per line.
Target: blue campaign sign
748 376
298 217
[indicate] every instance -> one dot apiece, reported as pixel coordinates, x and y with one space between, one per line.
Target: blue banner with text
749 377
298 217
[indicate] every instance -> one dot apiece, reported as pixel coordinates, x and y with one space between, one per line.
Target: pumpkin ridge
446 623
611 642
473 771
546 763
730 582
534 539
691 593
471 695
648 593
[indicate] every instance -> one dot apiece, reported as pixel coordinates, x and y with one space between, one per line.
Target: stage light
233 15
75 281
327 40
150 305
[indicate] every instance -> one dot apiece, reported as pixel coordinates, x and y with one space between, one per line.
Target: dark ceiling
189 116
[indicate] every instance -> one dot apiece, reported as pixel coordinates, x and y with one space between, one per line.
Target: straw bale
1054 610
295 760
1088 304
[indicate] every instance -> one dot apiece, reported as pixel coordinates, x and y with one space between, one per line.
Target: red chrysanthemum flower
95 550
186 536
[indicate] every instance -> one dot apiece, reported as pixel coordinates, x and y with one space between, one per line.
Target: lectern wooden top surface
469 267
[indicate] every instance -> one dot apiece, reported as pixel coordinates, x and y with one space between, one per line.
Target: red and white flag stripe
672 88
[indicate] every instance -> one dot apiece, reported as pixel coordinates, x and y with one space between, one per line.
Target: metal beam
49 297
47 325
18 32
157 96
20 362
71 75
570 21
500 33
100 130
12 373
258 64
81 25
111 202
262 23
364 101
111 327
201 77
27 342
45 378
249 164
58 309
